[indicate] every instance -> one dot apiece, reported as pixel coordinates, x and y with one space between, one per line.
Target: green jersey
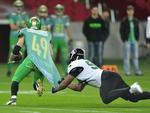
38 43
19 20
45 23
59 24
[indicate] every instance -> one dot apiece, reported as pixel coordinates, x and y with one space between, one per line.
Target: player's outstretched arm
77 87
64 84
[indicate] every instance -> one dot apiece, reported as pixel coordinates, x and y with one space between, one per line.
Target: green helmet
34 23
59 7
43 8
18 3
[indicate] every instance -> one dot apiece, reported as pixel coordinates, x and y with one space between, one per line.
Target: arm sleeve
20 34
76 71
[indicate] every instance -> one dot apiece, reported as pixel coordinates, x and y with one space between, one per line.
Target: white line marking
29 112
28 92
61 93
57 109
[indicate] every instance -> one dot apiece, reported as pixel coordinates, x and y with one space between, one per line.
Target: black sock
136 97
143 96
14 88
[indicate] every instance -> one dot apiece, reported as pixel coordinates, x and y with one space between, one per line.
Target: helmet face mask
18 5
34 23
76 54
43 11
59 9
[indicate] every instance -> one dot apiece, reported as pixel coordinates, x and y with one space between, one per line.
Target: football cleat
39 87
12 101
135 88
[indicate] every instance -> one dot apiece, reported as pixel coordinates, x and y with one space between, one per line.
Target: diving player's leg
38 82
137 97
22 71
112 87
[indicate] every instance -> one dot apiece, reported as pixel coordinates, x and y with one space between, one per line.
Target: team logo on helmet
34 23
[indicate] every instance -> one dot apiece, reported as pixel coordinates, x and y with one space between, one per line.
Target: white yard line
56 109
61 93
29 111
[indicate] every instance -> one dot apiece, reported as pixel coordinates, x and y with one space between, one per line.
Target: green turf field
68 101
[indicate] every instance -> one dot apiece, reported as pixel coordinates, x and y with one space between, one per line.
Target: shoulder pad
76 63
20 33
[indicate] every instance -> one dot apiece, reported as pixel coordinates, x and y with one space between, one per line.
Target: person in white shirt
148 32
110 84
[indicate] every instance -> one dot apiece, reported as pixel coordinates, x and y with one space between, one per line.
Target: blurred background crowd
106 29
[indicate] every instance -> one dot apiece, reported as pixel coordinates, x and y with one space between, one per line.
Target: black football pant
113 87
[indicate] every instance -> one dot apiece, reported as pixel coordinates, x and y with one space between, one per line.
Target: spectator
148 32
60 26
17 20
95 33
106 18
129 30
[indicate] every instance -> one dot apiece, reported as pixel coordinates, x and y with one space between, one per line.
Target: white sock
14 96
130 91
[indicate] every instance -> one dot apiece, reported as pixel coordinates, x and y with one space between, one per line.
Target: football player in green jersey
17 21
44 17
38 58
60 26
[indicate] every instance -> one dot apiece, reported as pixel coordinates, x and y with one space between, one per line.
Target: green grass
68 101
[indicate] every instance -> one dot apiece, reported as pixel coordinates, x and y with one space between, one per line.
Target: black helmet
76 54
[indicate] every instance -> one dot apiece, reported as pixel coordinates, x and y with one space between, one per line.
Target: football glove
59 82
15 58
54 90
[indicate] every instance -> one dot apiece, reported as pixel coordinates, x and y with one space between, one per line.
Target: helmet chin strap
77 58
